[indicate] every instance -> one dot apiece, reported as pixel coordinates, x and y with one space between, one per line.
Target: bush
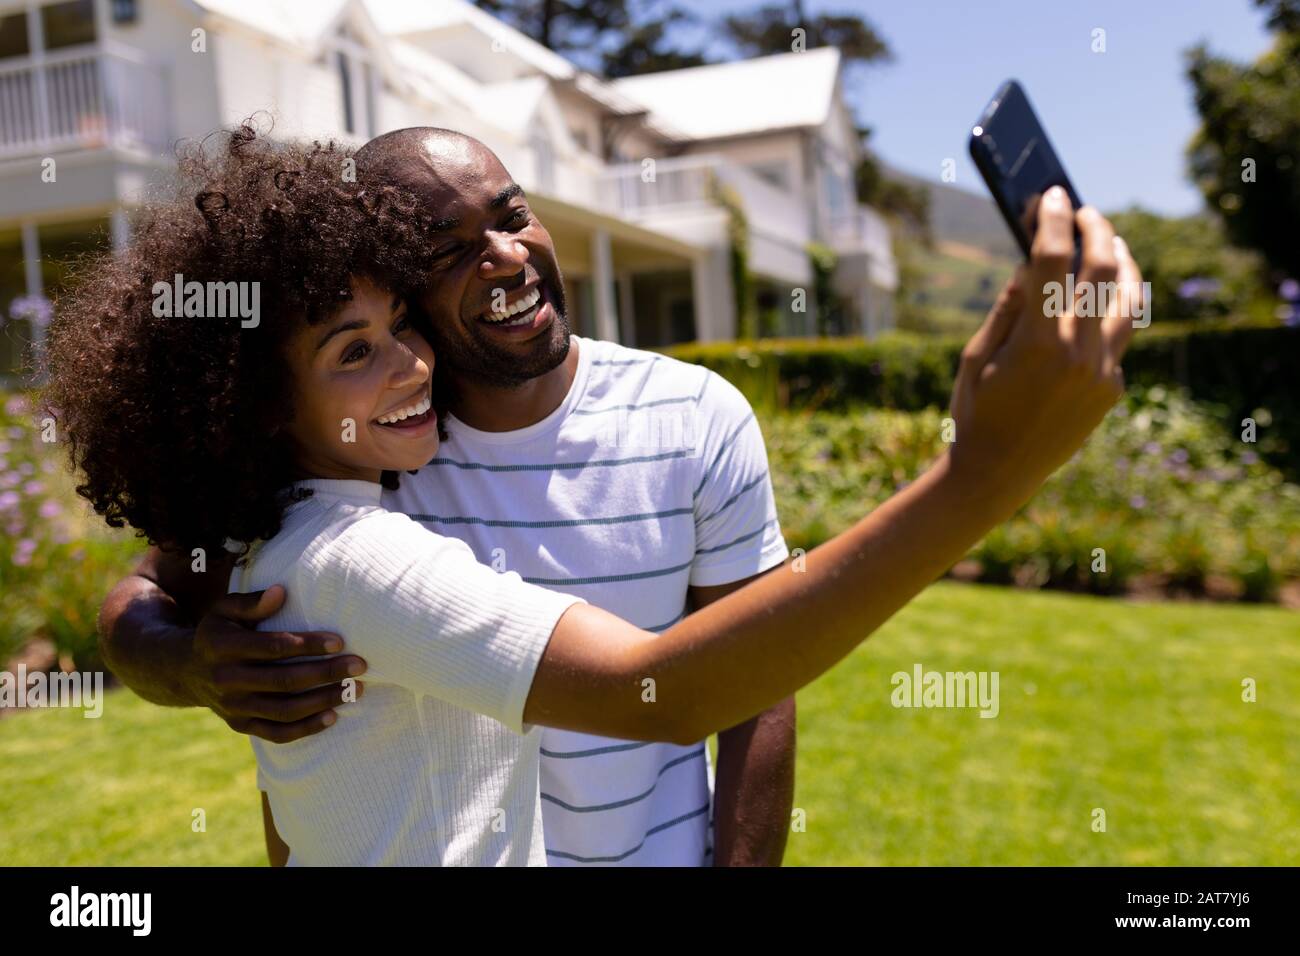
1161 488
1248 370
59 559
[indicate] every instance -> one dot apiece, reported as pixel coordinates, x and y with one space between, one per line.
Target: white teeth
523 305
419 408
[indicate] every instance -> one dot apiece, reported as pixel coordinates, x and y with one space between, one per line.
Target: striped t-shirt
649 477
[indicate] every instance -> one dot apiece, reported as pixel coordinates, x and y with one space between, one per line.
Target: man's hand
249 678
1035 380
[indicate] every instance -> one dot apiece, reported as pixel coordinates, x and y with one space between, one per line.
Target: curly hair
177 423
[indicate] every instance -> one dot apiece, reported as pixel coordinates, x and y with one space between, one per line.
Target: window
345 84
775 172
13 35
544 156
68 24
368 81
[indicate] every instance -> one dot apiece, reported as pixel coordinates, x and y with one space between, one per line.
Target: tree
1194 272
561 25
1243 158
646 47
901 202
615 37
770 29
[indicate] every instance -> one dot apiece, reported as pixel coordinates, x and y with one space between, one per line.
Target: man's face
495 298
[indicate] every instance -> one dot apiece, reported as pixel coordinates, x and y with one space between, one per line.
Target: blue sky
1120 119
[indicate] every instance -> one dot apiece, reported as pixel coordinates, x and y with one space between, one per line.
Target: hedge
1246 370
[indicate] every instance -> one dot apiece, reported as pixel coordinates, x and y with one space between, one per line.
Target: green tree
561 25
770 29
645 47
1193 270
1243 158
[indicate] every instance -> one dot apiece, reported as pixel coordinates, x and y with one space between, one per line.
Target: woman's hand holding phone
1035 380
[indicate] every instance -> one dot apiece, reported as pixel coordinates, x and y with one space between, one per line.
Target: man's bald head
405 155
484 245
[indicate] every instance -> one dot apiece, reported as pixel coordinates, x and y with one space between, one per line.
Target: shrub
1161 487
58 559
1245 371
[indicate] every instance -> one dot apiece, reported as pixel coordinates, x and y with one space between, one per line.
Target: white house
626 175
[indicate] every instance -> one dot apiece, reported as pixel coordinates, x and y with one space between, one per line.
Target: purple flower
15 432
1151 448
1179 456
8 500
9 479
33 488
50 509
16 406
1249 458
1289 290
23 552
26 468
1198 288
1137 502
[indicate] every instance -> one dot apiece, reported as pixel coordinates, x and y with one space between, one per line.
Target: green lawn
1135 709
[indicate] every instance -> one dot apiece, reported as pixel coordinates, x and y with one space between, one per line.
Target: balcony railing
684 182
81 100
863 230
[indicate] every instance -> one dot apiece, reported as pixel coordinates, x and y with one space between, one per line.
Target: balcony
863 233
82 100
778 222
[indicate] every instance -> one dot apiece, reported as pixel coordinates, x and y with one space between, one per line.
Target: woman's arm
1031 387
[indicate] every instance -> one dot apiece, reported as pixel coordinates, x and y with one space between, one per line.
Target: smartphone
1013 154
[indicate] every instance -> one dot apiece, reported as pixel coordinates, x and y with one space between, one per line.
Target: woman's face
362 390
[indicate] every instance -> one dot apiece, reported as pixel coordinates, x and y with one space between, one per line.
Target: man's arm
175 637
754 789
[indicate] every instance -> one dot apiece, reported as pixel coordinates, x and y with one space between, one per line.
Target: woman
279 431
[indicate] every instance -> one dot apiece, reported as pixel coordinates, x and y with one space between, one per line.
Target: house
638 180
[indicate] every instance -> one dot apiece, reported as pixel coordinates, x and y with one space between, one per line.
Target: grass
1135 709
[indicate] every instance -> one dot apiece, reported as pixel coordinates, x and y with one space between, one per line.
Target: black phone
1013 154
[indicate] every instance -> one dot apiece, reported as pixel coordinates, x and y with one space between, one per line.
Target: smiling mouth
517 314
409 416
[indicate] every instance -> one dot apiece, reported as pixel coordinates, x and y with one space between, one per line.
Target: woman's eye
356 353
403 323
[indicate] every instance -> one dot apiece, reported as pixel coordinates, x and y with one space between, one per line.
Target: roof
403 17
784 91
298 23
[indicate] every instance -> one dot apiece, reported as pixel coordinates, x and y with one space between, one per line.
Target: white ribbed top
433 765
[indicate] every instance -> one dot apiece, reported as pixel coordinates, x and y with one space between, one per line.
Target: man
550 470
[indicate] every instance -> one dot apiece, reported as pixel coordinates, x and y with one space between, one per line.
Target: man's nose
505 256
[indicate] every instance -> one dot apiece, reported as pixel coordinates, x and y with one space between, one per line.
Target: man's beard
483 361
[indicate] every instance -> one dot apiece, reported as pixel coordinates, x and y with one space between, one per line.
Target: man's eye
356 353
519 217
